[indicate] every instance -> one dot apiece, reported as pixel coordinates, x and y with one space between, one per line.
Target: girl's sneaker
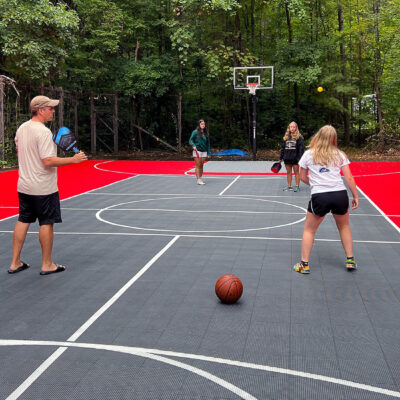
297 189
303 269
351 264
286 188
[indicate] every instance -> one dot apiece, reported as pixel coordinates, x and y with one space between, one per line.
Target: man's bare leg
20 231
46 236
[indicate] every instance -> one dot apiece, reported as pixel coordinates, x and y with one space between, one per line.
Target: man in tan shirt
37 184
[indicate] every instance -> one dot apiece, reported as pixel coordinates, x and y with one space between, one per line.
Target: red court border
379 181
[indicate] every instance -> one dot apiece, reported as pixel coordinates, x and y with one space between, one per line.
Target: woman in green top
200 143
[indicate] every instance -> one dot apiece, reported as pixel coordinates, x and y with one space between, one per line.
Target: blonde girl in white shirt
320 168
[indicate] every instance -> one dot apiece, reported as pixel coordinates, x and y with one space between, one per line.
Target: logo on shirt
323 169
290 145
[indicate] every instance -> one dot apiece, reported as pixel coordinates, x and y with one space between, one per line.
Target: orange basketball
229 288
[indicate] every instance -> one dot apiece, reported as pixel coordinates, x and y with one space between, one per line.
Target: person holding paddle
291 152
200 142
37 184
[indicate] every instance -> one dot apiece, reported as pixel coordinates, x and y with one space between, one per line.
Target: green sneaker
302 269
297 189
286 188
351 264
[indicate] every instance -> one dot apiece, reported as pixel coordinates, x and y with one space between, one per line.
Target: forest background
171 63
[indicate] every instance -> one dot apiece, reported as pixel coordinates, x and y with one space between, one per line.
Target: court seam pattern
372 324
210 236
144 352
36 374
63 349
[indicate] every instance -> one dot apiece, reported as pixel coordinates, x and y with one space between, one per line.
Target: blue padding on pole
230 152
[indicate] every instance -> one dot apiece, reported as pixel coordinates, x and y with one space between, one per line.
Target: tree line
171 63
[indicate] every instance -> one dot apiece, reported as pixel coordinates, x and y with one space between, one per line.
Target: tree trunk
92 125
132 139
61 108
238 35
2 133
344 96
136 106
76 124
179 116
137 50
378 71
290 41
252 28
115 123
289 24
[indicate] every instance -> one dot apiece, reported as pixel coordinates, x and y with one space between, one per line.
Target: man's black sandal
60 268
19 269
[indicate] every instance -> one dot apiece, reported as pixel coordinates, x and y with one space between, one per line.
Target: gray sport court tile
332 323
239 166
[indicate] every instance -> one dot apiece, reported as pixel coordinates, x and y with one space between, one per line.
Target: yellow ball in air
320 89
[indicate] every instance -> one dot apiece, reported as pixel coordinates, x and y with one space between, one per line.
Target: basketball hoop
252 86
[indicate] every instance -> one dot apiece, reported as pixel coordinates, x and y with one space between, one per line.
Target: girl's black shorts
335 202
290 162
45 208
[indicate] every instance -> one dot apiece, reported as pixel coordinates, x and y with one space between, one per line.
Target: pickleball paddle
66 140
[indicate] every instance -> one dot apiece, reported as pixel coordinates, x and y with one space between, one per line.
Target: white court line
196 211
187 173
42 368
96 166
229 185
77 195
103 210
144 352
202 195
107 170
286 239
216 211
141 353
36 374
380 174
380 211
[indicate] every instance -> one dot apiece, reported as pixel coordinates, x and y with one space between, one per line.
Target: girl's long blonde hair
294 135
324 147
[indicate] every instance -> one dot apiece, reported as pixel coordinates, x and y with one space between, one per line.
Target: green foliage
151 76
101 30
35 36
155 51
182 38
299 62
220 62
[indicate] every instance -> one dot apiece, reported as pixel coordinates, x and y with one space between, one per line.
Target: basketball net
252 86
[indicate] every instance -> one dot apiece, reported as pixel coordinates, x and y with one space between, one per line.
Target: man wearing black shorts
37 184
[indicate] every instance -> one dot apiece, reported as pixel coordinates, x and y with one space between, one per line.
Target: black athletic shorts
291 162
322 203
45 208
